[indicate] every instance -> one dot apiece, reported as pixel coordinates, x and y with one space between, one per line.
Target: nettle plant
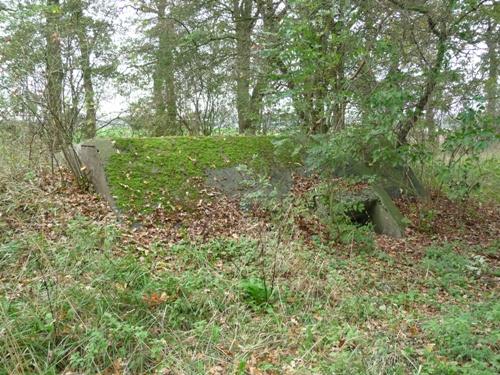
462 168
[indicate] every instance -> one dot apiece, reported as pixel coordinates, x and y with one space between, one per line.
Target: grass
76 296
75 305
467 338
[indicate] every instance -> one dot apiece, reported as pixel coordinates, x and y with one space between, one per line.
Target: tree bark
54 69
430 120
405 126
244 22
491 87
90 128
340 104
60 136
170 79
164 85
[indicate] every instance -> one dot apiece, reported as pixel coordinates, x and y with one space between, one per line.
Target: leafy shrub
462 169
355 144
336 210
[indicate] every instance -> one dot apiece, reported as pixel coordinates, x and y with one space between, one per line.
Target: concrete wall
93 155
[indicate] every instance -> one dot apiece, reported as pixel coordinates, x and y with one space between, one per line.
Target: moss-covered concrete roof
169 172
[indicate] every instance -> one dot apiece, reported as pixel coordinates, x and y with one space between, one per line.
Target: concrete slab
93 155
231 181
385 216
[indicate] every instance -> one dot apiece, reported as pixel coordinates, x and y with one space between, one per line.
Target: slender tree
81 28
491 87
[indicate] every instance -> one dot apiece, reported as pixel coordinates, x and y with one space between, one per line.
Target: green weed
468 339
451 271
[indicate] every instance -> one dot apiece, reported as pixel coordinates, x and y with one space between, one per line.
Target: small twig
46 287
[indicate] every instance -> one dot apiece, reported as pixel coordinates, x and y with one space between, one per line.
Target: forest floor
222 291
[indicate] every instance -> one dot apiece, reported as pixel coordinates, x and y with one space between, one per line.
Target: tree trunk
430 120
170 79
56 128
54 71
405 126
90 128
491 87
340 105
158 100
164 88
270 28
242 17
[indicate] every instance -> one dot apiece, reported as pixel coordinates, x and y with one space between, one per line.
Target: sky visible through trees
192 67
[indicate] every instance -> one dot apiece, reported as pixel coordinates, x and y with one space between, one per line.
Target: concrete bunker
141 175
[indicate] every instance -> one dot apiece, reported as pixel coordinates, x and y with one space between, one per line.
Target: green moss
147 172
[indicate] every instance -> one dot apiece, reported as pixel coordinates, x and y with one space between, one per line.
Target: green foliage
468 339
371 146
169 172
255 291
489 171
260 190
10 252
117 131
76 297
465 168
38 322
227 250
361 308
426 218
26 30
74 305
359 238
338 208
452 271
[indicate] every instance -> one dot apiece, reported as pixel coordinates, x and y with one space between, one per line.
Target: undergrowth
73 304
76 296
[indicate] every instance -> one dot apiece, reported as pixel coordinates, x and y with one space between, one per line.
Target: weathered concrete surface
400 180
385 216
353 201
235 182
228 180
371 205
93 155
376 200
104 147
390 182
396 181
